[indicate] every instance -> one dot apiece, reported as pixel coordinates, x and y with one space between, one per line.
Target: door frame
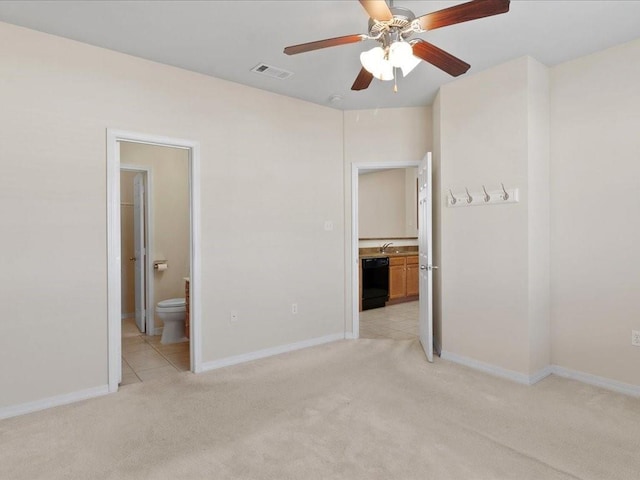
355 257
147 173
114 343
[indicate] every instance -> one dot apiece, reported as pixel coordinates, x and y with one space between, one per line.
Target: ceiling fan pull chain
395 81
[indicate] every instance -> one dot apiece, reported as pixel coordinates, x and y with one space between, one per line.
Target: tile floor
145 358
398 322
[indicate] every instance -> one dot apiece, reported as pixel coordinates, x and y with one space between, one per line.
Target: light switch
328 225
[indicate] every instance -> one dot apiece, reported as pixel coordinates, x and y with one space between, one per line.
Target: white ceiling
226 39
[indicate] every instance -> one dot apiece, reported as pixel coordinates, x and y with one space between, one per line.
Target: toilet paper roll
162 267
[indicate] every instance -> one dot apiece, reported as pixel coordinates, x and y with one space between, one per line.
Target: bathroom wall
170 213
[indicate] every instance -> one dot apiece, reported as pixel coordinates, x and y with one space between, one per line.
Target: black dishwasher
375 282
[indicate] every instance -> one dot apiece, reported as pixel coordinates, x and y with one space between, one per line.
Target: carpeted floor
366 409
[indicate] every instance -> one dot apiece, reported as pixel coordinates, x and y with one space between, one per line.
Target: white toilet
172 313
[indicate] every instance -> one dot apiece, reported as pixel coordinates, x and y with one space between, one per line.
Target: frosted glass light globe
375 63
400 53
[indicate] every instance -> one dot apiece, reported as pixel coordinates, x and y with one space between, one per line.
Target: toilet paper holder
160 265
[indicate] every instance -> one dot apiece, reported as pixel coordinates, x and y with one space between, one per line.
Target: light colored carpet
366 409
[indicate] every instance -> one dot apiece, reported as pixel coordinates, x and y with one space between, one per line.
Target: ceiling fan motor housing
393 30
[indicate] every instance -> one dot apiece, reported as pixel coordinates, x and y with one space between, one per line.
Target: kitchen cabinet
397 278
413 273
403 278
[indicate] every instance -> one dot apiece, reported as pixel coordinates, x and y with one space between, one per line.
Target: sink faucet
385 246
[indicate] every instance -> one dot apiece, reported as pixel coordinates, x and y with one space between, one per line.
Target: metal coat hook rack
498 196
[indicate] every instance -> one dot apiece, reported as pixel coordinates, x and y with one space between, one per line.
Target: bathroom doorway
154 222
153 255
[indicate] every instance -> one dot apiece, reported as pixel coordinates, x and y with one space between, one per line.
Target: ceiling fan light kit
393 27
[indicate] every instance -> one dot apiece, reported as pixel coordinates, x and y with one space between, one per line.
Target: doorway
388 248
145 332
420 267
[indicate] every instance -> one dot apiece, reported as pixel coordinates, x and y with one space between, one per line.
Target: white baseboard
602 382
29 407
268 352
349 336
541 374
496 371
607 383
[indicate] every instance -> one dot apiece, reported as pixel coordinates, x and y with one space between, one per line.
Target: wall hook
469 197
487 197
454 200
505 195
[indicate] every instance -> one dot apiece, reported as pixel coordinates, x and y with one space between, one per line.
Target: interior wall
170 215
411 202
538 216
485 134
263 207
379 136
595 232
382 204
127 267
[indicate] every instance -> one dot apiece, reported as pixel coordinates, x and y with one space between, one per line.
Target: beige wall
595 231
379 136
538 215
170 214
411 202
259 226
382 202
488 283
263 207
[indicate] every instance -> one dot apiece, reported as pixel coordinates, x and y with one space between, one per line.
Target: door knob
423 267
133 259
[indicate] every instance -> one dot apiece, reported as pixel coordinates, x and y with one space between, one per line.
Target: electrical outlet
234 316
635 338
294 308
328 225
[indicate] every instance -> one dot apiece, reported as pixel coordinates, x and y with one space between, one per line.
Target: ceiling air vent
269 71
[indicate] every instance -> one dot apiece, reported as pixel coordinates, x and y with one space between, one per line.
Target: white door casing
425 235
139 249
114 253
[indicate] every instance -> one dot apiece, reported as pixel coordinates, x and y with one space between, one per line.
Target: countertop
372 253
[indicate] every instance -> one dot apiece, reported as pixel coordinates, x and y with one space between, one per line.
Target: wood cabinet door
397 282
413 275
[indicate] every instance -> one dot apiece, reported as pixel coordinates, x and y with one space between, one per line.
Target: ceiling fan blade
329 42
463 13
363 80
377 9
441 59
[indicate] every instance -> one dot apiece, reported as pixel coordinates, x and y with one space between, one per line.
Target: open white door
139 249
425 233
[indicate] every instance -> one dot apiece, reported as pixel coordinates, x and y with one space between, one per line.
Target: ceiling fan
393 27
